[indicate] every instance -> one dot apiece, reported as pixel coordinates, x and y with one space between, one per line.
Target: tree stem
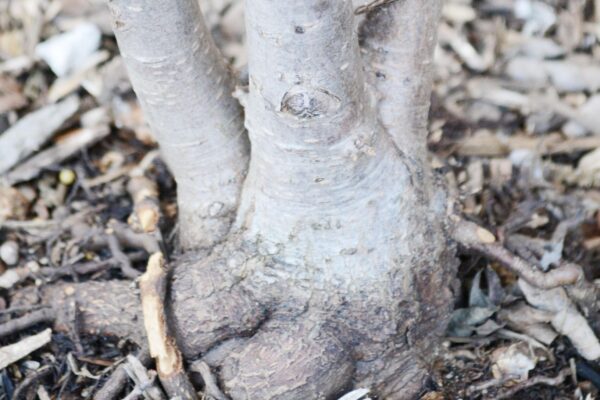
400 37
185 89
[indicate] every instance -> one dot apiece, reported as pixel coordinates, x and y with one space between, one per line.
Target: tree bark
185 90
400 38
337 271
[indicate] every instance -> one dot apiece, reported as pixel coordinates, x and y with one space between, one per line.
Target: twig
21 309
42 393
117 381
30 380
479 239
44 315
16 275
37 127
14 352
90 267
64 149
96 237
146 210
536 380
163 348
73 316
108 177
508 334
144 381
144 194
211 388
31 224
480 386
118 254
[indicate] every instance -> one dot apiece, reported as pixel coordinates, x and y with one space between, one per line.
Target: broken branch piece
163 348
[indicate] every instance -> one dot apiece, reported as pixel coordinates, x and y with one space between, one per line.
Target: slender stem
399 37
185 89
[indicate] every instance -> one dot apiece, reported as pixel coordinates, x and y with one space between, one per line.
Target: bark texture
337 272
185 90
400 37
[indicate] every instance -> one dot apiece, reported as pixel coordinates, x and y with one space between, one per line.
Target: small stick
144 380
72 313
480 386
146 209
163 348
94 237
90 267
144 193
481 240
536 380
77 140
30 380
38 127
117 381
14 352
211 388
21 309
43 315
124 262
138 240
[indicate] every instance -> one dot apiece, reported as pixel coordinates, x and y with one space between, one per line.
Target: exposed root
316 363
211 302
110 308
246 314
163 348
477 238
550 291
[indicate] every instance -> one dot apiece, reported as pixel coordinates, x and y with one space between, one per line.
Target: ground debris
14 352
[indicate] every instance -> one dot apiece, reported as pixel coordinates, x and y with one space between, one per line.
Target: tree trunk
337 272
185 90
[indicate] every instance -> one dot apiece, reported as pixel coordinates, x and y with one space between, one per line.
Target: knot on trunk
309 103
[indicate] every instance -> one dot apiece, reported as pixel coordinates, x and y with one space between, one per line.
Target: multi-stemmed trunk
327 265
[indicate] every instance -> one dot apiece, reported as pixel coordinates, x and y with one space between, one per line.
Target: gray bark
336 272
399 39
185 90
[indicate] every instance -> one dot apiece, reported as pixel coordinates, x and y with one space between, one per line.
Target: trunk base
269 334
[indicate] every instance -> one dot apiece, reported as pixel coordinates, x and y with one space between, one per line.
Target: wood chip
76 140
32 131
14 352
